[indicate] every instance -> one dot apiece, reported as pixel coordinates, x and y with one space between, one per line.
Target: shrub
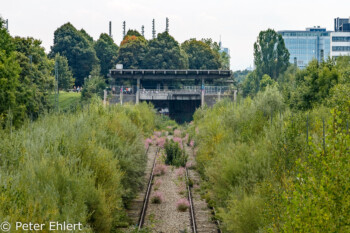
174 154
157 183
84 167
160 142
180 172
157 198
189 165
179 141
177 133
160 169
157 134
182 205
148 142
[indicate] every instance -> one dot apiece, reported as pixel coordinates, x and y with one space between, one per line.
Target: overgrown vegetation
280 162
84 166
174 154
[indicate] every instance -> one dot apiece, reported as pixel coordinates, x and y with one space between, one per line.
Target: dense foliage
78 48
174 154
132 52
82 167
106 50
267 164
270 54
165 53
25 79
65 75
200 55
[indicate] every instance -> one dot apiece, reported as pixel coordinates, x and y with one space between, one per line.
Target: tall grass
77 167
247 152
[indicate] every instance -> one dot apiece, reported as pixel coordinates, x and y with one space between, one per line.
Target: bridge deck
168 74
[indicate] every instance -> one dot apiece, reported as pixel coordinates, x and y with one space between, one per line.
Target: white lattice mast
153 29
167 25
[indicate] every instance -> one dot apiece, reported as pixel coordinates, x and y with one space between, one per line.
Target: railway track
199 215
147 195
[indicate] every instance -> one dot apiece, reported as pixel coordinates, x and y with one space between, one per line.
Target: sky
237 23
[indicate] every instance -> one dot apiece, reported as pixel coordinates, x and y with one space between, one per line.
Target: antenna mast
167 24
110 29
153 29
124 34
143 30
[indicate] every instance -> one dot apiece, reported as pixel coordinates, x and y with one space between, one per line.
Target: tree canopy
77 47
201 55
270 54
132 52
65 75
165 53
106 51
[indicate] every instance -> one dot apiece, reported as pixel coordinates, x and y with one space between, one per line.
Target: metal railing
172 90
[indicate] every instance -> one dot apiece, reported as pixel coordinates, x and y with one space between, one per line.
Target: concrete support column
104 97
202 93
138 91
121 95
235 95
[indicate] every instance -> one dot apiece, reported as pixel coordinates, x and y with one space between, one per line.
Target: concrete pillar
104 97
121 95
219 95
202 93
138 91
235 95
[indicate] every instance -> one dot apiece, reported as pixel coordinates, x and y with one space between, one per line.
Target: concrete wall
210 100
126 99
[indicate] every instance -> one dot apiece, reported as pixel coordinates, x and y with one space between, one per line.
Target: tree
65 76
270 54
224 58
106 50
266 81
94 86
77 48
251 84
313 84
132 33
200 55
36 77
165 53
132 52
9 74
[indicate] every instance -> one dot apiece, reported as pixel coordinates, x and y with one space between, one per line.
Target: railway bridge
178 92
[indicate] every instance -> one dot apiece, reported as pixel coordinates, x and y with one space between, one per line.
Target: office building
342 24
304 46
340 44
340 38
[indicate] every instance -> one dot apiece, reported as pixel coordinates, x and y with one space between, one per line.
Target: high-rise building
342 24
303 46
340 38
340 44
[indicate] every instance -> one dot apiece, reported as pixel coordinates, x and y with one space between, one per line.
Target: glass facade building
303 46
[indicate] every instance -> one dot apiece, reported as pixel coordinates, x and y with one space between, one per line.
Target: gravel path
165 217
136 205
203 214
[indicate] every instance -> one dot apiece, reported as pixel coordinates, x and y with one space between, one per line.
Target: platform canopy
168 74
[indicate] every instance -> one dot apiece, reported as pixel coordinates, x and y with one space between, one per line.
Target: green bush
174 154
84 167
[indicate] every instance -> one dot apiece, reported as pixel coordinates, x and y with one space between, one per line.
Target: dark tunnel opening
179 110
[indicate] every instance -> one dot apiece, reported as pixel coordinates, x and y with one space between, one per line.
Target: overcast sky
237 22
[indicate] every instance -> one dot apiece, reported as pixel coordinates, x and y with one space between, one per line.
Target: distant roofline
301 31
169 74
